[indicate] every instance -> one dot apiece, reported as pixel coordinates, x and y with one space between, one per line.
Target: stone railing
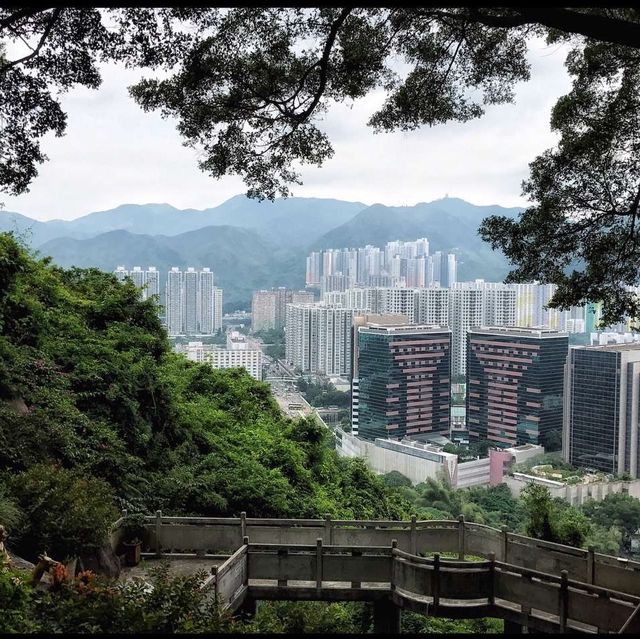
534 583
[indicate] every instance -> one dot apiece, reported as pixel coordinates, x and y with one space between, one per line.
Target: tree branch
54 17
599 27
19 15
324 65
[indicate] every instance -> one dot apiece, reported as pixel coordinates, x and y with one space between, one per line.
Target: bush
68 514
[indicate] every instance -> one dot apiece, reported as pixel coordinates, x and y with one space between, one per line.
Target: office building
515 385
601 402
404 376
318 339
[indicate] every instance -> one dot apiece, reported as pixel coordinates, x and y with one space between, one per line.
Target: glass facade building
403 381
602 401
515 385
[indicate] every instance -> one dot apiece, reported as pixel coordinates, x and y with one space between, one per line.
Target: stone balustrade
535 584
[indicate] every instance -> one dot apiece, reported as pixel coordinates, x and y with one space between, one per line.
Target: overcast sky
113 153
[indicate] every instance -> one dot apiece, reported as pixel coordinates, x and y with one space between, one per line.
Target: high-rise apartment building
515 384
152 283
269 308
193 303
173 307
431 306
137 277
263 311
477 303
404 381
190 295
531 301
601 406
147 281
217 309
318 338
398 263
205 302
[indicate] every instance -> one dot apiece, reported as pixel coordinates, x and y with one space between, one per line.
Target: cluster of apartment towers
192 304
403 346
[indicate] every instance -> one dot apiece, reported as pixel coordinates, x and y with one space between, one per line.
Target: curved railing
521 566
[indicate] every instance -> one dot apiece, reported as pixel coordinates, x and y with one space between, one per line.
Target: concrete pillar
386 617
158 533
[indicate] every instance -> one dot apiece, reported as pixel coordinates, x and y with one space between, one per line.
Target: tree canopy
248 86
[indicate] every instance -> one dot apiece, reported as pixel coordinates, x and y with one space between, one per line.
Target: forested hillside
97 414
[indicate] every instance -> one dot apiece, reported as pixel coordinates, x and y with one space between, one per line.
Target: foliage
133 527
323 393
619 510
417 624
111 417
67 513
275 340
304 617
89 604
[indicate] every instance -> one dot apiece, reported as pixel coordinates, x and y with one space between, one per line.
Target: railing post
394 546
413 544
158 526
243 524
492 578
564 600
245 542
526 613
214 572
282 553
461 532
328 530
591 566
319 563
505 543
435 583
356 553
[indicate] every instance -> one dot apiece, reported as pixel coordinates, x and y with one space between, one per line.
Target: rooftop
628 346
518 331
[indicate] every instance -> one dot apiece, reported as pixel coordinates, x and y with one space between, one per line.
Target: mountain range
251 245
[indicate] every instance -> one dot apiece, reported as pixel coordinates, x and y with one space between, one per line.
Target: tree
620 510
248 85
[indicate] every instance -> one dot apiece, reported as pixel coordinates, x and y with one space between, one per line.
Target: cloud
114 153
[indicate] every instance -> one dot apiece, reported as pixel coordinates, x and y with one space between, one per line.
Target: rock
103 562
18 563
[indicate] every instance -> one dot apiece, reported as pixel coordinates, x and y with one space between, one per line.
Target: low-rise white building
235 357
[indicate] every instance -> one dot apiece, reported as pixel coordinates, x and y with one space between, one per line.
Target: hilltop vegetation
94 403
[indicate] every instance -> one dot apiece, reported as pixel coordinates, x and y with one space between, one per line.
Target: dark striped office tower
602 404
404 374
515 385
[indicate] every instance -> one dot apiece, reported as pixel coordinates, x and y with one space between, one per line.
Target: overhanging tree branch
54 17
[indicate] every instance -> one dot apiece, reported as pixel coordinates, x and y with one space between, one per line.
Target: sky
113 153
